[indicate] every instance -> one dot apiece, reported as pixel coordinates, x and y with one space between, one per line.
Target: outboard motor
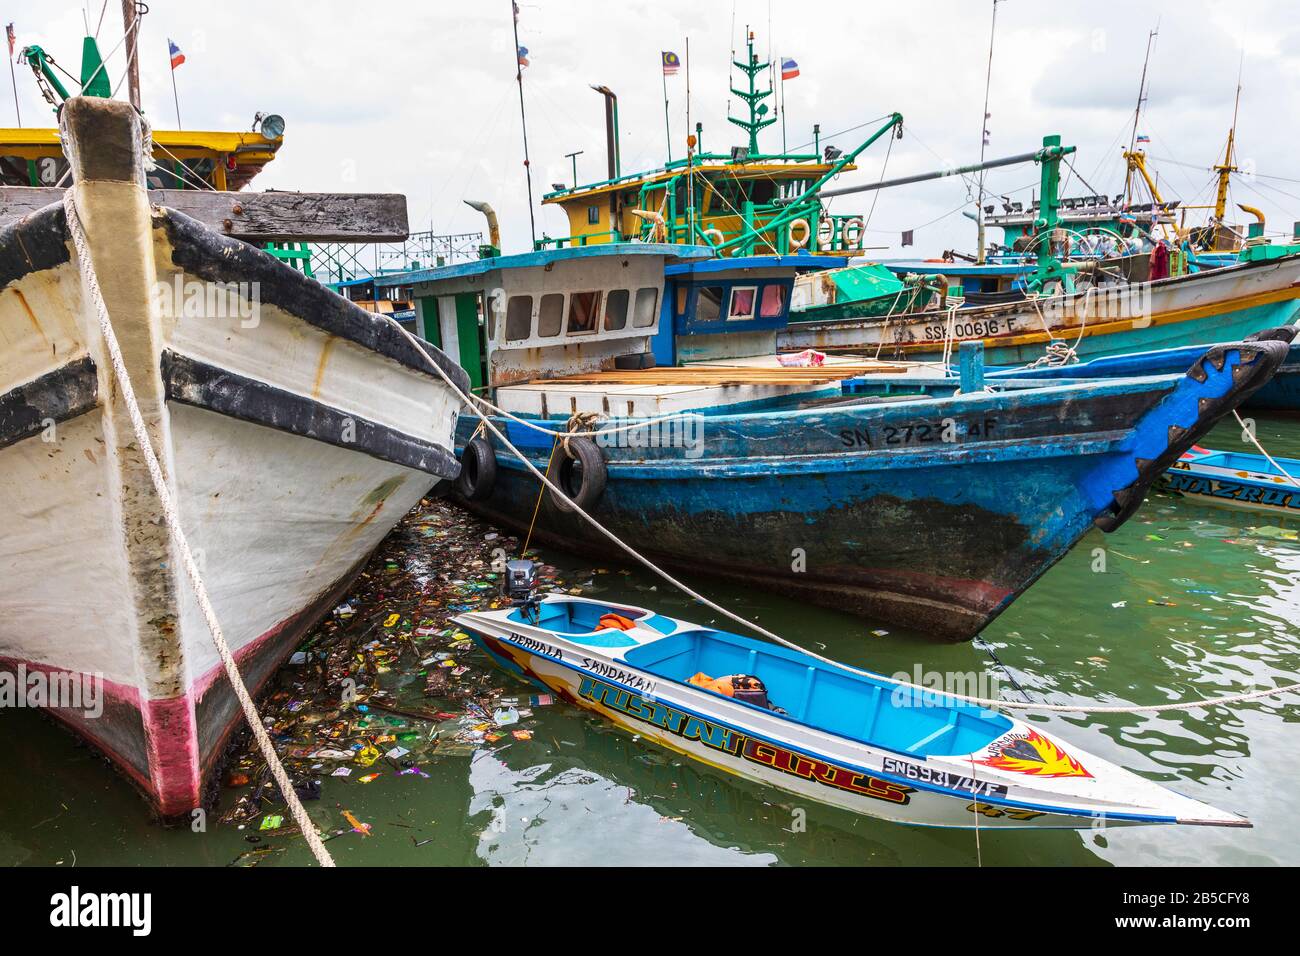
519 584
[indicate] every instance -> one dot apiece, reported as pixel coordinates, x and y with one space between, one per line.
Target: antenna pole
668 130
984 142
523 121
1137 111
9 34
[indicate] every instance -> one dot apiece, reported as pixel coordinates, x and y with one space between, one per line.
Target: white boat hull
294 431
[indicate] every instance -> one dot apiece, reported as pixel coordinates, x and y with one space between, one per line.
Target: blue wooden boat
817 730
932 511
1237 480
1281 393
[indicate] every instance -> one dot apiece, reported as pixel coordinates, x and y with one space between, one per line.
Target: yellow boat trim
1124 325
739 171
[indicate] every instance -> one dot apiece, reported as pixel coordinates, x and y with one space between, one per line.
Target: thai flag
789 69
523 56
1143 138
177 56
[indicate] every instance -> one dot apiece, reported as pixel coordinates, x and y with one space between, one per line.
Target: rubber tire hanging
478 470
584 455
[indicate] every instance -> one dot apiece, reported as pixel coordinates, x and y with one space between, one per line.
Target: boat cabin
603 328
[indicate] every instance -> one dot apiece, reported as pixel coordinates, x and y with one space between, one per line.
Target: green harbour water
1193 602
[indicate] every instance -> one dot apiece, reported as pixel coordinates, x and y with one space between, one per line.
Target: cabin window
708 304
593 215
519 317
772 303
616 310
762 191
647 307
742 302
583 308
550 315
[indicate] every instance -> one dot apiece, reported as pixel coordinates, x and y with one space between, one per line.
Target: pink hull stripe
177 769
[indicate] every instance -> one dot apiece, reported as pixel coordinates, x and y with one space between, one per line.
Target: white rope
759 629
1250 433
91 281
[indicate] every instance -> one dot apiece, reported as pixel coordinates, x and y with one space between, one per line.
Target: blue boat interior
1239 461
580 621
812 693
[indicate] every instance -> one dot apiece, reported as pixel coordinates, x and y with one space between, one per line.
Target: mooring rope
1250 433
91 281
759 629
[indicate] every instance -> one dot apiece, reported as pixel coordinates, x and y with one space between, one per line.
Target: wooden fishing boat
816 730
293 427
934 511
1237 480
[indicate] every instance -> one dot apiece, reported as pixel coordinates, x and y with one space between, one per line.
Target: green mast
753 97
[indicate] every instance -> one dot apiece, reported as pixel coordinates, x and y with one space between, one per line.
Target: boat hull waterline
1015 777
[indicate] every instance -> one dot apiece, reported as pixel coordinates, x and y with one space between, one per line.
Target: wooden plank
702 375
257 216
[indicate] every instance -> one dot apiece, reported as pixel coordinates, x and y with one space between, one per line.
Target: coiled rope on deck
759 629
91 281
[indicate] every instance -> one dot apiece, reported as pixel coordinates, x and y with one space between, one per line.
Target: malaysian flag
672 63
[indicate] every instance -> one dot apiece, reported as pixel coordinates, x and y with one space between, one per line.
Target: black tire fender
582 474
478 470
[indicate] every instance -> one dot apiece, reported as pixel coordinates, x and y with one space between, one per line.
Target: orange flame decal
1035 755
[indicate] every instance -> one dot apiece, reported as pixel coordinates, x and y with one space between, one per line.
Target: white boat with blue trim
817 730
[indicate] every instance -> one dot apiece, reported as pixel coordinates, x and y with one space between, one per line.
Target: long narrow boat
817 730
1281 393
1200 308
294 429
1237 480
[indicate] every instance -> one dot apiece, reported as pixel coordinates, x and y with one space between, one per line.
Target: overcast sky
420 98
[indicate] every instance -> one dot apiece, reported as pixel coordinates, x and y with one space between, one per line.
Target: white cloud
421 98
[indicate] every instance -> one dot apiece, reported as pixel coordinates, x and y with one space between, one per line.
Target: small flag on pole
1143 138
515 7
177 56
9 32
523 56
789 69
672 63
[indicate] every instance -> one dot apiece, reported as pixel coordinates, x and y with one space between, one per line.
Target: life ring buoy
825 234
715 236
478 470
858 227
582 475
805 230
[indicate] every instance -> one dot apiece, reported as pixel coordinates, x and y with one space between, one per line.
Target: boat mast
523 119
1132 158
131 24
984 142
1227 168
